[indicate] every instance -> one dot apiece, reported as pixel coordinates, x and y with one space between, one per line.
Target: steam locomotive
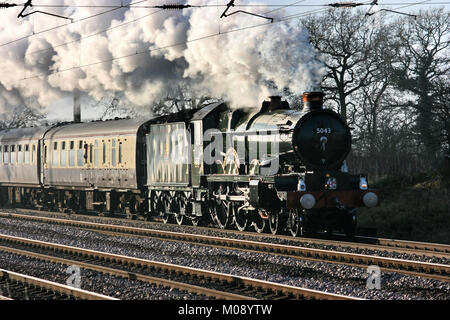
274 168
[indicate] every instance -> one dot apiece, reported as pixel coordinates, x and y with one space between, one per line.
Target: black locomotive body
274 167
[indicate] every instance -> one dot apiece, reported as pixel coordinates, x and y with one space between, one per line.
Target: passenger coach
78 166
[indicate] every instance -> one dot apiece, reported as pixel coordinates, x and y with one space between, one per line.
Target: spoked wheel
179 218
220 210
240 219
161 207
295 223
165 217
274 219
259 223
181 207
195 221
222 214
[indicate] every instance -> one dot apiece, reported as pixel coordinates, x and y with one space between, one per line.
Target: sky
172 45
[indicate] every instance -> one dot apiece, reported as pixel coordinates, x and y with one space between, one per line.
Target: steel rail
413 268
436 250
412 245
128 275
245 285
25 281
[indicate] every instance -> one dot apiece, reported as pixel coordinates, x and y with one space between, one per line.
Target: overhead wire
220 5
67 24
220 33
395 10
136 6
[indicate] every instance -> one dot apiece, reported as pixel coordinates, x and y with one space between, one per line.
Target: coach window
5 155
19 153
96 153
55 154
120 152
104 152
33 153
91 151
13 154
113 152
1 155
80 155
63 154
27 153
71 153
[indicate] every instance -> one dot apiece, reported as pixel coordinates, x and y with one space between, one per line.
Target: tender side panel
168 154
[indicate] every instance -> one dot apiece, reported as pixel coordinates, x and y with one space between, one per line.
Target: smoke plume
144 53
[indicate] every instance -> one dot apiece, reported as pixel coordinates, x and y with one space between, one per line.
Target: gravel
333 278
246 236
93 281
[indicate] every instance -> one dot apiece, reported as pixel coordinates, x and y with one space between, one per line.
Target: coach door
85 161
197 152
42 160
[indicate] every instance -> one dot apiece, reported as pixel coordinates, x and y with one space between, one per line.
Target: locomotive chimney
275 103
312 101
76 107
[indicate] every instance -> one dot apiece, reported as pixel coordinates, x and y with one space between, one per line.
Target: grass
412 208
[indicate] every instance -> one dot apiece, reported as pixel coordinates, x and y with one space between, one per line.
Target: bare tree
391 84
181 98
22 116
114 107
421 70
346 42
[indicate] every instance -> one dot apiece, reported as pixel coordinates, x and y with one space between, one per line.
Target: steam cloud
243 67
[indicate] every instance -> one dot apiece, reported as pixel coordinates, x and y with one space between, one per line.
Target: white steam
243 65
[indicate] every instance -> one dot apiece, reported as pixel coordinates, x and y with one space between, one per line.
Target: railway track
413 246
436 250
23 287
409 267
198 281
